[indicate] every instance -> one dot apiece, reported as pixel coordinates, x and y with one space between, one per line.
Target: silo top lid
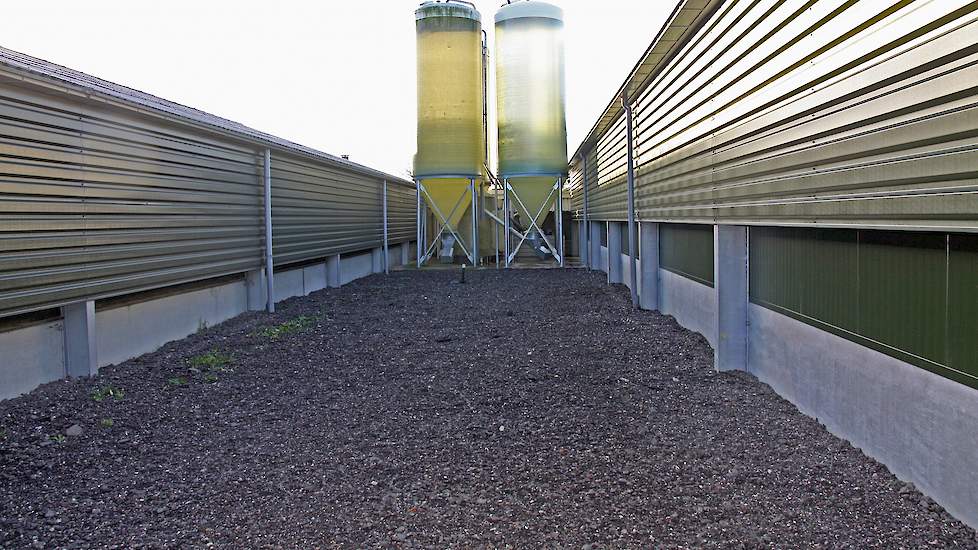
529 8
447 8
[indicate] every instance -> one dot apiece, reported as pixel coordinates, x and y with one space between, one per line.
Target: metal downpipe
632 234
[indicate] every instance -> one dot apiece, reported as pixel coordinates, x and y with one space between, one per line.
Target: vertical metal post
560 219
417 188
506 228
386 250
632 233
587 226
495 228
475 222
269 262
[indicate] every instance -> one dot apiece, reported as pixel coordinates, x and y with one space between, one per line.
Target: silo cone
451 133
530 97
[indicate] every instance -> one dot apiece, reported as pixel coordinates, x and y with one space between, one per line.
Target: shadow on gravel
523 409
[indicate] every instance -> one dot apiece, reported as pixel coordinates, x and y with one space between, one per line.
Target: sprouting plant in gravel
213 361
104 392
293 326
177 381
201 326
58 438
107 423
3 433
210 378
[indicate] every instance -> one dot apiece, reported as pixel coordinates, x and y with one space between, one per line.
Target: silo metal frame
557 248
424 249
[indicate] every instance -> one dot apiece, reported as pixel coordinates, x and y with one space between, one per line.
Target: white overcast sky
335 76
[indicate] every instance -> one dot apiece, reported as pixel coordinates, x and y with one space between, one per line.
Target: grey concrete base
132 330
314 278
81 354
595 256
355 267
623 266
31 356
614 253
256 289
730 278
693 304
377 260
333 271
406 253
39 354
648 292
923 427
289 284
583 249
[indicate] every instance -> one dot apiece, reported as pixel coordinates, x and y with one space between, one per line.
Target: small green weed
298 324
3 434
107 422
58 438
177 381
101 394
214 361
210 378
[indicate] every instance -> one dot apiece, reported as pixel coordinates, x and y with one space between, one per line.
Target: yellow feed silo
531 121
449 165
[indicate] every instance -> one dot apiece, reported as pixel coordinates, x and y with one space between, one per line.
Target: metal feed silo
449 164
531 119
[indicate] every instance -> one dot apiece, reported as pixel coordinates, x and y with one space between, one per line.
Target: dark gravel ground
523 409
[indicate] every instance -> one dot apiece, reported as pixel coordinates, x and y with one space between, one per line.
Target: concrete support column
614 253
730 274
377 260
575 240
81 357
582 248
333 271
595 255
405 253
648 295
256 289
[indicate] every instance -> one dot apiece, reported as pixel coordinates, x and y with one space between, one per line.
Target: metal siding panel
856 114
963 304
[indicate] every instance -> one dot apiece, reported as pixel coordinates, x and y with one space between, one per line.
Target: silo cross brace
446 223
558 255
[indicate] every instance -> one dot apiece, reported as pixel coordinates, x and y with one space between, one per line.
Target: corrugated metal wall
794 112
99 201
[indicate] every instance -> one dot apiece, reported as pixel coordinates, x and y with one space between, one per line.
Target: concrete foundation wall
693 304
122 333
35 355
355 267
31 356
922 426
626 275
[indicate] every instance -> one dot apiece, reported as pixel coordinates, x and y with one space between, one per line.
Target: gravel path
523 409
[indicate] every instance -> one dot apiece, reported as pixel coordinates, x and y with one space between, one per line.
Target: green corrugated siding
903 291
900 293
687 250
963 299
812 273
